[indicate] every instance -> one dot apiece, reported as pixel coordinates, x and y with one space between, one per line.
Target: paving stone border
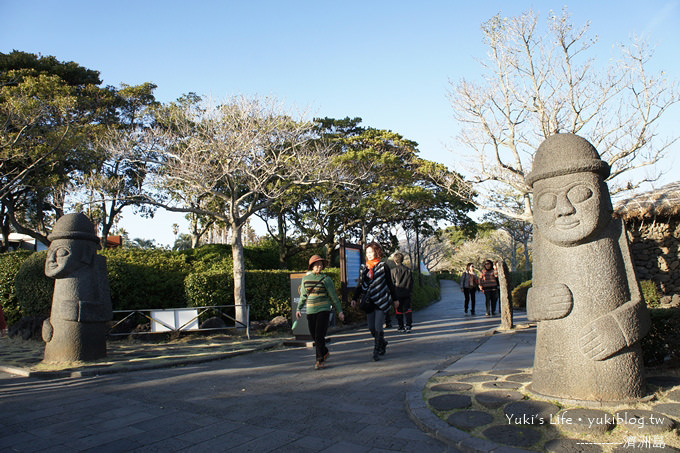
513 419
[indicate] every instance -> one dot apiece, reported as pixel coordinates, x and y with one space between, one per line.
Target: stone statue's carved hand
602 338
549 302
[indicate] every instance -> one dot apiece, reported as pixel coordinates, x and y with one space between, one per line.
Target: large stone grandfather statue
585 296
81 304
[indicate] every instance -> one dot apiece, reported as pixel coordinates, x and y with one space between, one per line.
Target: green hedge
518 277
519 295
267 291
165 279
10 263
146 278
423 296
33 288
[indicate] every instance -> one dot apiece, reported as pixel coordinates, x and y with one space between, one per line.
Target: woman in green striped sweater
317 293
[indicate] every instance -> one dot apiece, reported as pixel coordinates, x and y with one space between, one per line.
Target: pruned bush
146 278
33 288
10 263
519 295
424 295
267 291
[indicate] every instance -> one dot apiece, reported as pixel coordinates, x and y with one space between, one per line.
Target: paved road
265 401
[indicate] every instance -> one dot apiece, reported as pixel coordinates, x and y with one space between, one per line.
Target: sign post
350 267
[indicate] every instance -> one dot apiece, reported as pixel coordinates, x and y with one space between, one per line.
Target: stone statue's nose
564 206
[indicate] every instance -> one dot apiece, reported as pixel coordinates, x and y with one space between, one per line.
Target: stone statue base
73 341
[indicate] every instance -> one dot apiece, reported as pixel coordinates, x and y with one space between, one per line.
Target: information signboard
301 329
350 267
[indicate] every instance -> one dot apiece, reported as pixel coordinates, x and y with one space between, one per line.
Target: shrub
9 268
446 275
650 293
517 277
519 295
146 278
268 293
218 257
33 288
423 296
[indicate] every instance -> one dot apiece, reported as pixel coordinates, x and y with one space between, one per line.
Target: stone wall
655 247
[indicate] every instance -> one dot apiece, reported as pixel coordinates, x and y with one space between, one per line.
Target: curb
427 421
27 372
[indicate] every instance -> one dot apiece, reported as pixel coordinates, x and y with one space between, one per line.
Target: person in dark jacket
403 285
375 285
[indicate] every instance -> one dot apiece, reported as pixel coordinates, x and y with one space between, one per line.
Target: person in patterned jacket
488 283
317 293
375 284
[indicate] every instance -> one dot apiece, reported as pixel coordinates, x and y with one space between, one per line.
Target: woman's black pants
318 327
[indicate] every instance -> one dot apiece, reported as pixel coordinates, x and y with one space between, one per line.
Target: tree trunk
505 295
282 240
527 263
513 259
239 276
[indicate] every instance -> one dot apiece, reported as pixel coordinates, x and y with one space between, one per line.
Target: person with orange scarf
376 287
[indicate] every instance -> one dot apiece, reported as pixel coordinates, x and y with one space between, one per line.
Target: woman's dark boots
379 345
382 344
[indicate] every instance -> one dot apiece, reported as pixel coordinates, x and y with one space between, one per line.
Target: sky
390 63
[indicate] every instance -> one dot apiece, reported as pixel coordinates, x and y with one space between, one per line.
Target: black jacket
403 281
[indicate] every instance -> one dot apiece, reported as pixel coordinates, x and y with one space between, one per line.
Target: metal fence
180 319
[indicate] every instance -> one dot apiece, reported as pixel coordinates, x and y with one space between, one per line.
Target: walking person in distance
488 283
469 284
403 286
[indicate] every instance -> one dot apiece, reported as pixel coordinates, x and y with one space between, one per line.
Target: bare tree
236 158
540 83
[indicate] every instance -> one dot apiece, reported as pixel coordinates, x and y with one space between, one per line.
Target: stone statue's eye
62 253
579 194
547 201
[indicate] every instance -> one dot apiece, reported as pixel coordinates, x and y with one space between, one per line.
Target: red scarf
370 264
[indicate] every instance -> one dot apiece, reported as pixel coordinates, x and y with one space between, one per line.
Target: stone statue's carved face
64 257
569 209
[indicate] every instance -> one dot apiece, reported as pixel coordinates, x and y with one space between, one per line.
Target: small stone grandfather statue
81 303
585 296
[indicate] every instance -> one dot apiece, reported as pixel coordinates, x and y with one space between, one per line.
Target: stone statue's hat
73 226
563 154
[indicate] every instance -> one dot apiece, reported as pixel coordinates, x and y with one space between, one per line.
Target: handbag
365 305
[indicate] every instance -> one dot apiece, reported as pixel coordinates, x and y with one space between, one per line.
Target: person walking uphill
403 285
488 283
317 292
376 292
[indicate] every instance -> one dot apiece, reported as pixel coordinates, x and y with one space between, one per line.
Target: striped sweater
317 293
380 288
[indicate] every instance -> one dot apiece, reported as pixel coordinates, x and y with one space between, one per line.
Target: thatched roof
663 202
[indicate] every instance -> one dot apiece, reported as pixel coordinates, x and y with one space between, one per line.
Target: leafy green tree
394 186
50 112
117 178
